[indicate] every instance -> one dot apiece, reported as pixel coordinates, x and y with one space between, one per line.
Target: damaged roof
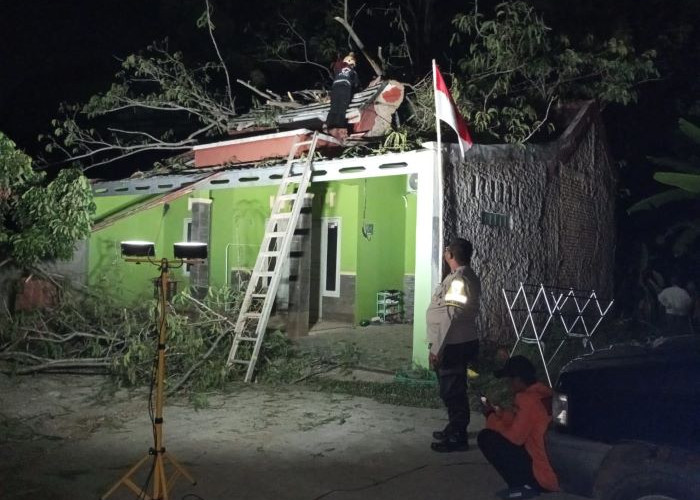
379 99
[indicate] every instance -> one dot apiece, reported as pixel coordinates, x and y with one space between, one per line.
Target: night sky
62 51
54 51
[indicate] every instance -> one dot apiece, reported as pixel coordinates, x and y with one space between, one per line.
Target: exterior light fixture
190 250
165 287
138 248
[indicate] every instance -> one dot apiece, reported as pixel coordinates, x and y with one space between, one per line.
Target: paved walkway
59 440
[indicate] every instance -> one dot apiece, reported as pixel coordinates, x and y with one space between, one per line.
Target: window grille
496 220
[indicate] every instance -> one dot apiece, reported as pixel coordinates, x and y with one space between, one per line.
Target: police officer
453 341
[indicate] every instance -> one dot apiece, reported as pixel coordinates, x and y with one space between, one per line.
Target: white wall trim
324 249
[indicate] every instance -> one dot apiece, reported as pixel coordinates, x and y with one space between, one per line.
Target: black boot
453 442
443 434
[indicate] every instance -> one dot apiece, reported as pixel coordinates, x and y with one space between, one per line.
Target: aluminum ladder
259 298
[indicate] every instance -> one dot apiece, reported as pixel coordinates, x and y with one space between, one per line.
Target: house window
186 236
496 220
330 257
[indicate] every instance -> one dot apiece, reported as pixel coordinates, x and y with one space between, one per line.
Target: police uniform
452 336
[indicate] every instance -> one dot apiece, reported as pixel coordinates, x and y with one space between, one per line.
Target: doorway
329 275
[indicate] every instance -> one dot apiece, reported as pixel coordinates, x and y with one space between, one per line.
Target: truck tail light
560 409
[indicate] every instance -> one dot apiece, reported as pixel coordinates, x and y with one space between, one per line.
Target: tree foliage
669 224
511 69
92 330
155 85
681 238
41 219
684 175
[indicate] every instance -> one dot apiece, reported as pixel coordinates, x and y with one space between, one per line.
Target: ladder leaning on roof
274 251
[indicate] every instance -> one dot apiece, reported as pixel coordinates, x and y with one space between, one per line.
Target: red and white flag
446 110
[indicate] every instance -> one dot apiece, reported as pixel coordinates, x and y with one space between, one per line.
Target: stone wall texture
535 214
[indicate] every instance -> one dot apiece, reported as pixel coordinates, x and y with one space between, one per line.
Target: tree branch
210 27
377 69
257 91
544 120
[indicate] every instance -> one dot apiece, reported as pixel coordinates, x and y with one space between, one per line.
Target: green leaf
661 199
690 130
675 164
686 182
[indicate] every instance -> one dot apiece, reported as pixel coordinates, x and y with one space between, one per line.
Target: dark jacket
346 75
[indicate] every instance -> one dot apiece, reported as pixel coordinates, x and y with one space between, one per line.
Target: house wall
368 264
587 205
237 221
106 269
559 203
409 278
335 199
237 226
381 257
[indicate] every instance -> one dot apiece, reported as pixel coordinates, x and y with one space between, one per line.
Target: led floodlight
138 249
190 250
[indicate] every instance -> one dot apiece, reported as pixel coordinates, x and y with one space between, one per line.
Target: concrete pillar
428 251
201 231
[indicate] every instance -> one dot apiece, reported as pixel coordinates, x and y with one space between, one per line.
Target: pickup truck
626 422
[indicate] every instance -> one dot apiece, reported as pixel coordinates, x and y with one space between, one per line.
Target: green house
536 214
365 228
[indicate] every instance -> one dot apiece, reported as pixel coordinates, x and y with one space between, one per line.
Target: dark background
67 50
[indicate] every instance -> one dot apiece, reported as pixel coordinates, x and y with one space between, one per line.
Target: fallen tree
88 332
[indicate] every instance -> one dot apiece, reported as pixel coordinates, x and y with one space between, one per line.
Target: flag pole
440 182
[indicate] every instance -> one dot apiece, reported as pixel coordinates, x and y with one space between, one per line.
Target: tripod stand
160 482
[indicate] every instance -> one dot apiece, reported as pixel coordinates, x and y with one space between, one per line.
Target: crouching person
513 441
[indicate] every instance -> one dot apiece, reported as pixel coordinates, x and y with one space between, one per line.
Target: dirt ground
387 347
63 437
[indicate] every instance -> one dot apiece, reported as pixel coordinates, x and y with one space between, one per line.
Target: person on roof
345 82
513 440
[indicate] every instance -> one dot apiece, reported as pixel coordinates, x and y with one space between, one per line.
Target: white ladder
274 251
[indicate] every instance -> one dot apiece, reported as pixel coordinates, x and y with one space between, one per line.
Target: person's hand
487 408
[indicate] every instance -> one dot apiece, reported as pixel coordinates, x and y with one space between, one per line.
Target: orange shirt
527 425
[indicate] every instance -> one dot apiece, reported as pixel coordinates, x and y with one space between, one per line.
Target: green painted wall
410 238
380 259
106 267
340 199
238 224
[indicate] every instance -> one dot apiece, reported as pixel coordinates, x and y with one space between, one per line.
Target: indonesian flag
446 111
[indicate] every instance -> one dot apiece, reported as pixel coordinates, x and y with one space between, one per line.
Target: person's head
519 371
458 252
350 59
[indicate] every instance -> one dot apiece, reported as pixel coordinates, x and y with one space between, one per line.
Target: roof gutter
134 209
